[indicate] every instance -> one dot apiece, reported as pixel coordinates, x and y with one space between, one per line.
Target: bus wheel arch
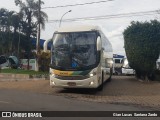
110 77
100 88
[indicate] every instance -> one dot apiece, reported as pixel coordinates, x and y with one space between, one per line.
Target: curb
21 77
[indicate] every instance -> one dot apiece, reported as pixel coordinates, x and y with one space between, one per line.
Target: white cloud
116 33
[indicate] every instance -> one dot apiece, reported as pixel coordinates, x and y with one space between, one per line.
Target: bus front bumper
90 82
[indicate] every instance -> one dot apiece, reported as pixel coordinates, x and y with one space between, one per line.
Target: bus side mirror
99 43
109 62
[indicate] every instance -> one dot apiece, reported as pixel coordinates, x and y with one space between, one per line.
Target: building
117 63
34 41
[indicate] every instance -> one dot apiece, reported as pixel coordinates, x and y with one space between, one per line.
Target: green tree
29 10
3 19
142 46
12 28
6 29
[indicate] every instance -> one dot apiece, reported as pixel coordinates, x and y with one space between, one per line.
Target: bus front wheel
100 88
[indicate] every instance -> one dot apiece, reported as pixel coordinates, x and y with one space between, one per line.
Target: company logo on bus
71 73
63 73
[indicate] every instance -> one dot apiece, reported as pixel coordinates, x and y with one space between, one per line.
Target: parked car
3 61
14 62
158 64
126 69
10 61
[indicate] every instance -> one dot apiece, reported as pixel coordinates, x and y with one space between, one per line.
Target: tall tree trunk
38 48
29 38
38 38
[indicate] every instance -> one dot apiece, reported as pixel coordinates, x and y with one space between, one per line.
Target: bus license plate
71 84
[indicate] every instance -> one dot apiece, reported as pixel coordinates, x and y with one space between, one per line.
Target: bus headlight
52 82
52 73
92 73
91 83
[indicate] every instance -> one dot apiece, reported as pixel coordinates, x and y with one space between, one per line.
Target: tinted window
2 60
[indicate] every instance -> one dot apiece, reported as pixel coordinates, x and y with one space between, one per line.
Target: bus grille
71 77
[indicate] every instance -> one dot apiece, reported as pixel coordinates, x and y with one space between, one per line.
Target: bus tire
110 77
100 88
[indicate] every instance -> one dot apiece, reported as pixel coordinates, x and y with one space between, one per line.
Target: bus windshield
74 51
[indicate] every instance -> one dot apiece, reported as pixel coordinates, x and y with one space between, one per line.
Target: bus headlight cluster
52 82
92 73
52 73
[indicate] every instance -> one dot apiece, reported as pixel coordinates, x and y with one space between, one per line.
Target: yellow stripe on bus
63 73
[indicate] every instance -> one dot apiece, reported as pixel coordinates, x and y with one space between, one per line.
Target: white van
158 64
126 69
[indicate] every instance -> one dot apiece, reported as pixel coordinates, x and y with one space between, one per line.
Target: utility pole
38 36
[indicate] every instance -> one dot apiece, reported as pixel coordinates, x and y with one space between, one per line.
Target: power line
80 4
110 16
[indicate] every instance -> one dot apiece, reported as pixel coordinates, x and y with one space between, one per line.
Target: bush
44 61
142 46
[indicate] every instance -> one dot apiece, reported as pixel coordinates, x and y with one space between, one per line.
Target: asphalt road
20 101
15 100
121 91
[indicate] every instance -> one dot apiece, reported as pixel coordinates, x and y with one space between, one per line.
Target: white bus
81 57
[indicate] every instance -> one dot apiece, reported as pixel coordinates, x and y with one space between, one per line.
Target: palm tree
2 28
3 18
6 30
10 22
16 24
29 10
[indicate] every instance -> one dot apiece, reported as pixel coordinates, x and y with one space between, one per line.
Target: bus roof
80 28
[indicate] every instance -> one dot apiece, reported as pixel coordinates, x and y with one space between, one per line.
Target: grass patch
20 71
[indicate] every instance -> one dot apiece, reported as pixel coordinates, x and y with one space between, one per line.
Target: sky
112 27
